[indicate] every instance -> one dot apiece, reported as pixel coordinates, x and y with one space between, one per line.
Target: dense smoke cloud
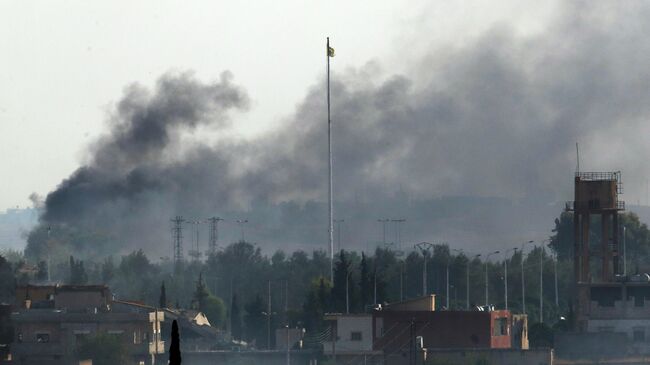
496 119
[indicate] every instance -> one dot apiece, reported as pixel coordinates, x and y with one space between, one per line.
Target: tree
316 304
200 293
108 269
162 301
104 349
78 274
540 335
41 275
254 320
343 285
7 280
365 283
215 310
235 319
175 346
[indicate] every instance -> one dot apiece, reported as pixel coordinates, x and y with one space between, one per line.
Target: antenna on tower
177 234
214 234
577 158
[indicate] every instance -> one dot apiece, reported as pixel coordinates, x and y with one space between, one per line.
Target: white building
353 334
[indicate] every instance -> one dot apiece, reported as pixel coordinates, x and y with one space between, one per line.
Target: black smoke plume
474 144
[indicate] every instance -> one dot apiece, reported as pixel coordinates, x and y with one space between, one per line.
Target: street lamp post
447 286
467 277
557 303
505 273
624 253
486 276
424 248
541 283
347 290
523 278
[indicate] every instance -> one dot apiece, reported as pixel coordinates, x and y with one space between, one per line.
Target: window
638 334
355 336
500 327
42 337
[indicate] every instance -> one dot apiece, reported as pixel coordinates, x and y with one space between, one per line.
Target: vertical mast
329 152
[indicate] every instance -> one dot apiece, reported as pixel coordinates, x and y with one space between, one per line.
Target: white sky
63 64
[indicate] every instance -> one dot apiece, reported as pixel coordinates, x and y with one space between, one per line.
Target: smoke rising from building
496 119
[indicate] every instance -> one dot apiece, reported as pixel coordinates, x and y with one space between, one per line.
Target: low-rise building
397 331
50 329
6 333
198 334
350 339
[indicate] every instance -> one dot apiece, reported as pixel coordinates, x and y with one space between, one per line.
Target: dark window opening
606 296
500 327
355 336
42 337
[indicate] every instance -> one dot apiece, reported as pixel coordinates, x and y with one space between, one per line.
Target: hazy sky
64 64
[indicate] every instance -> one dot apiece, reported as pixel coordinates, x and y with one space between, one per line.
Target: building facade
50 331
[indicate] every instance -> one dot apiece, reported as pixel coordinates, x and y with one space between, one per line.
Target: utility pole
467 284
624 253
487 302
505 271
288 348
401 281
557 303
541 281
447 285
329 52
49 244
347 289
241 223
214 234
375 285
424 247
177 231
268 320
523 276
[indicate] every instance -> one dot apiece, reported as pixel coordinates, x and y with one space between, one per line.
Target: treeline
234 285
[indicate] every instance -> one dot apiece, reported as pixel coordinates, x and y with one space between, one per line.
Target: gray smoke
472 142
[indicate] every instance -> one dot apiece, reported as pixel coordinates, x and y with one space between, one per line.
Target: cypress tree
175 346
163 296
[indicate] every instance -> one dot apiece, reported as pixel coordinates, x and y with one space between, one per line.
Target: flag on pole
330 51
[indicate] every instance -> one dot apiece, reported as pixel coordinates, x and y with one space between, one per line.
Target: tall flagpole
329 152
